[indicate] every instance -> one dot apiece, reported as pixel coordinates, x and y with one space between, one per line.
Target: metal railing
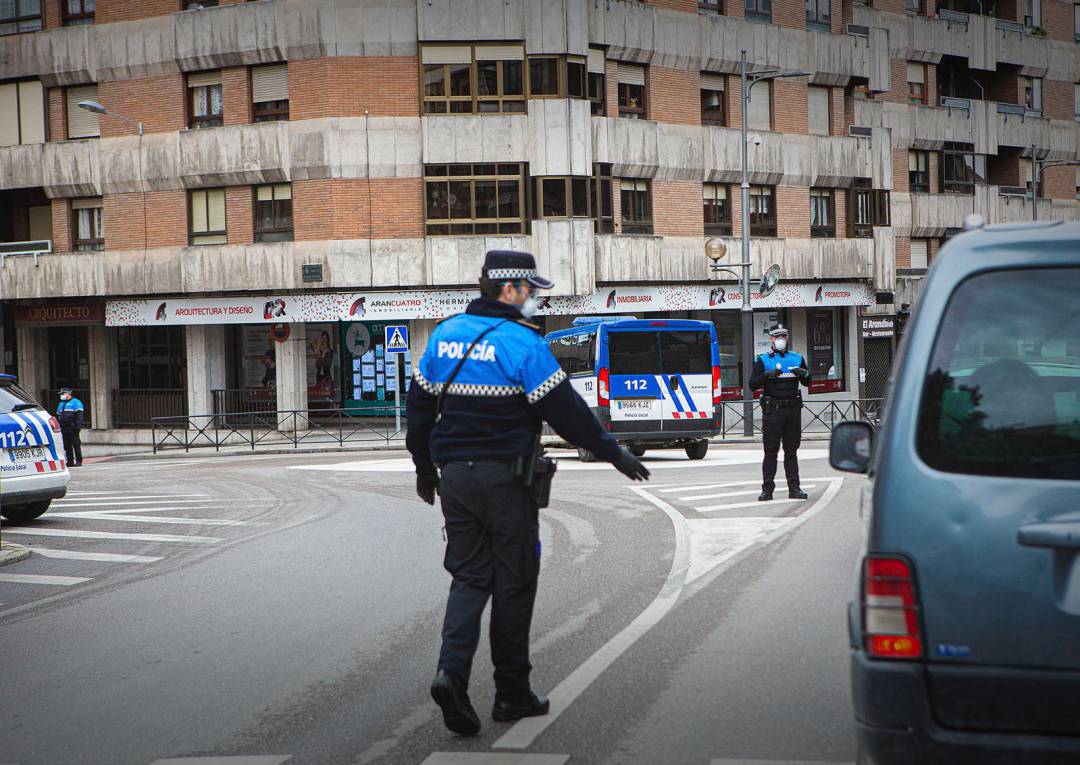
243 401
817 416
138 407
50 399
289 427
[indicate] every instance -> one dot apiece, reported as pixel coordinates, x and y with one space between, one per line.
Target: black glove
800 372
772 372
630 466
427 485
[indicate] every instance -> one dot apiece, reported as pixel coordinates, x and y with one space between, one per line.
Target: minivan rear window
13 398
686 353
634 353
1002 391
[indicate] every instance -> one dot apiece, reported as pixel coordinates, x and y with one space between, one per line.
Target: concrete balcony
928 127
647 149
1059 139
230 35
795 160
234 156
932 215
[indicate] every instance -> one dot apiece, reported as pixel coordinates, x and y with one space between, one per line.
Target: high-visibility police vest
786 362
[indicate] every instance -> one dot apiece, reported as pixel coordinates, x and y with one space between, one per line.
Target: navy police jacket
786 385
70 414
495 406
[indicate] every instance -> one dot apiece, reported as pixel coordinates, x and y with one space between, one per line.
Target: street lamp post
1037 166
97 108
748 80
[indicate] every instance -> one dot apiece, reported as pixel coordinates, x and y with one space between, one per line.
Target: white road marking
104 516
525 731
775 762
494 758
125 502
274 759
699 497
714 540
755 503
119 511
700 487
72 533
64 581
81 495
101 557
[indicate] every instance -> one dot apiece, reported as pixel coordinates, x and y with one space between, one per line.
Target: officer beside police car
476 405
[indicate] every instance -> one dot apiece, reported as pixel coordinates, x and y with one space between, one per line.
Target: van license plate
635 404
31 454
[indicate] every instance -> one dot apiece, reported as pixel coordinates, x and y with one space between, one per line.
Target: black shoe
797 494
765 496
504 711
458 713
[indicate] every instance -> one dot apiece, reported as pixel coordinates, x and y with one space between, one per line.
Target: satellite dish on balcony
769 281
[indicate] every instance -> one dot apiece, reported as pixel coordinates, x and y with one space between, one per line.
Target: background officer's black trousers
781 425
492 550
72 445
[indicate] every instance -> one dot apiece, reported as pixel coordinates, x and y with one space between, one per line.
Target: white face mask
780 344
530 306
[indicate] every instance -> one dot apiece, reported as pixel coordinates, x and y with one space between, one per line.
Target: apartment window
270 92
273 213
636 206
916 82
758 10
474 199
1032 93
915 7
710 7
759 111
920 254
88 224
204 100
81 123
1024 174
544 77
207 216
596 86
822 213
817 110
632 91
961 168
1076 22
468 79
195 5
1077 183
712 99
1076 102
818 15
22 113
919 172
78 12
1032 13
562 197
19 16
762 211
717 201
860 91
600 192
867 207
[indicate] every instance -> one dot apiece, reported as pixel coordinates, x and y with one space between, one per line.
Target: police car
32 468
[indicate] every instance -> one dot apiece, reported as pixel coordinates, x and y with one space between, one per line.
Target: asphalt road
287 609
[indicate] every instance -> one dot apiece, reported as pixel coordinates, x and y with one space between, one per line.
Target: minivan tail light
890 609
603 395
716 389
54 425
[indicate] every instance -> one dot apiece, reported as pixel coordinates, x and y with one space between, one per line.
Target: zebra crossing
84 535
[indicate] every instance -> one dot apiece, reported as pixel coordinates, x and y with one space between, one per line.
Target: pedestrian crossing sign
397 338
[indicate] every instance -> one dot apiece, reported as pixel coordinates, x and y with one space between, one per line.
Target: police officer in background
473 430
780 372
69 413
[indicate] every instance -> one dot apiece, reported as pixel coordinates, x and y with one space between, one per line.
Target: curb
12 553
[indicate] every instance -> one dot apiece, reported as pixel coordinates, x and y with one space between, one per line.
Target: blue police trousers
492 551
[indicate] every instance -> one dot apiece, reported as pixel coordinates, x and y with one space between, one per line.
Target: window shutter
916 72
596 61
85 204
40 219
9 114
1025 172
283 191
32 112
198 212
818 110
919 253
500 52
80 122
215 209
447 54
631 74
759 115
199 79
269 83
912 161
714 191
712 81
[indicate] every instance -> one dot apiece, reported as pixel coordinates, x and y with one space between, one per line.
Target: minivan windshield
1002 392
13 398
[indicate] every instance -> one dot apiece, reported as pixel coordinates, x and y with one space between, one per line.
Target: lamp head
715 250
93 106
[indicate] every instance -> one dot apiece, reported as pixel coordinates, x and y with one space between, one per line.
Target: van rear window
13 398
653 353
686 353
634 353
1002 390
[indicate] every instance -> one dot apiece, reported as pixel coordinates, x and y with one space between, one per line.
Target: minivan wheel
585 455
23 513
697 450
637 451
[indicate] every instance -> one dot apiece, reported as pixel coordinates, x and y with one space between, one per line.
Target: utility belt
772 404
536 472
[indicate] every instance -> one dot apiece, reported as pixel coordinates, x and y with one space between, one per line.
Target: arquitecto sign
58 314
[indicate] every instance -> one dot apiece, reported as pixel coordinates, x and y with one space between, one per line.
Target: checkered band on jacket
546 386
469 389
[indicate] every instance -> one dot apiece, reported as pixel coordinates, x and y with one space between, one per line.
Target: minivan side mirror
851 446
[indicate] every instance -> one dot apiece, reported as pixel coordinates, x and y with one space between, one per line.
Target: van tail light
603 395
54 425
890 609
716 391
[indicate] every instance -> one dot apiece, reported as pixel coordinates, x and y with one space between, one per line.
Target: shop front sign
878 326
61 314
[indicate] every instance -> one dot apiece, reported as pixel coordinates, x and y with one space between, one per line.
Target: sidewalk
12 553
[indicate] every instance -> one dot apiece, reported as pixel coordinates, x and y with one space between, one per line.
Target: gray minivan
966 634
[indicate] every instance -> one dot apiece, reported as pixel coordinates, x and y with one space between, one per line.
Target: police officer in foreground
70 413
478 430
780 372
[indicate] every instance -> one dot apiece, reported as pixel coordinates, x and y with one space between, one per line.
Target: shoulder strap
457 368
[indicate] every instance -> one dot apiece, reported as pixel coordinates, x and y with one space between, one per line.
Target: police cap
778 330
510 265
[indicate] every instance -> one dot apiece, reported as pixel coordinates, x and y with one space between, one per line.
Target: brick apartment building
311 170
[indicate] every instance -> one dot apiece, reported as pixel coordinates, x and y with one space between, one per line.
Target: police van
32 468
652 383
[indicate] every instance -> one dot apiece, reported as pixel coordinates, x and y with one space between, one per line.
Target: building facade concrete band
353 160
